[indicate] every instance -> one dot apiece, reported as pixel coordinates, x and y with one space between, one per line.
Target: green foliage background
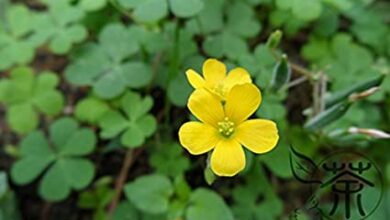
93 92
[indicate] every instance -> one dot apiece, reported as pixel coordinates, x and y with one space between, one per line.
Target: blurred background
93 92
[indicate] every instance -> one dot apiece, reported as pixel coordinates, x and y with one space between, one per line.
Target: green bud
209 176
358 88
281 74
274 39
328 116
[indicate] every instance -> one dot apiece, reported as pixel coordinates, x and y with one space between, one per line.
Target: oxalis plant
173 109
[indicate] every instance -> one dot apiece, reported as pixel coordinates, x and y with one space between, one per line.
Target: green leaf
168 159
26 95
133 137
54 185
80 143
210 19
117 41
147 124
206 204
186 9
126 211
150 193
16 44
137 74
307 9
247 24
134 106
105 66
22 118
136 126
78 172
35 144
61 130
179 90
112 123
17 88
110 85
48 100
62 27
92 5
149 10
68 171
27 169
91 109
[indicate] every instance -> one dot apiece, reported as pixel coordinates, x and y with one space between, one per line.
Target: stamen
219 89
226 127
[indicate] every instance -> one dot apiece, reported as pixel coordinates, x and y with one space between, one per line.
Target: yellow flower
224 128
215 79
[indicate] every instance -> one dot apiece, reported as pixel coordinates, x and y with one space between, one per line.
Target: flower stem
127 163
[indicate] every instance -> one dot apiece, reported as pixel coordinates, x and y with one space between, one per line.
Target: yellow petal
214 71
206 107
258 135
228 158
241 102
195 79
198 138
236 76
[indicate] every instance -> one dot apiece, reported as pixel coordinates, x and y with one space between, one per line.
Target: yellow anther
226 127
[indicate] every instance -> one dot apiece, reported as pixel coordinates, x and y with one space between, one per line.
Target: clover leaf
187 8
60 26
306 10
150 11
347 61
134 126
93 5
90 109
169 160
17 38
206 204
150 193
104 65
230 40
60 159
26 95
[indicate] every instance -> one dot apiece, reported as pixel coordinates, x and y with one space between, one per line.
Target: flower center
226 127
219 89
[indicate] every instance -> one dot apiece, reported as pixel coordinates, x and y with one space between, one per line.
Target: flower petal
198 138
241 102
258 135
235 77
228 158
195 79
206 107
214 71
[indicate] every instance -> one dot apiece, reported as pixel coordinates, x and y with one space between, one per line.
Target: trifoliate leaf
103 65
26 95
206 204
150 193
186 9
134 126
91 109
66 170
